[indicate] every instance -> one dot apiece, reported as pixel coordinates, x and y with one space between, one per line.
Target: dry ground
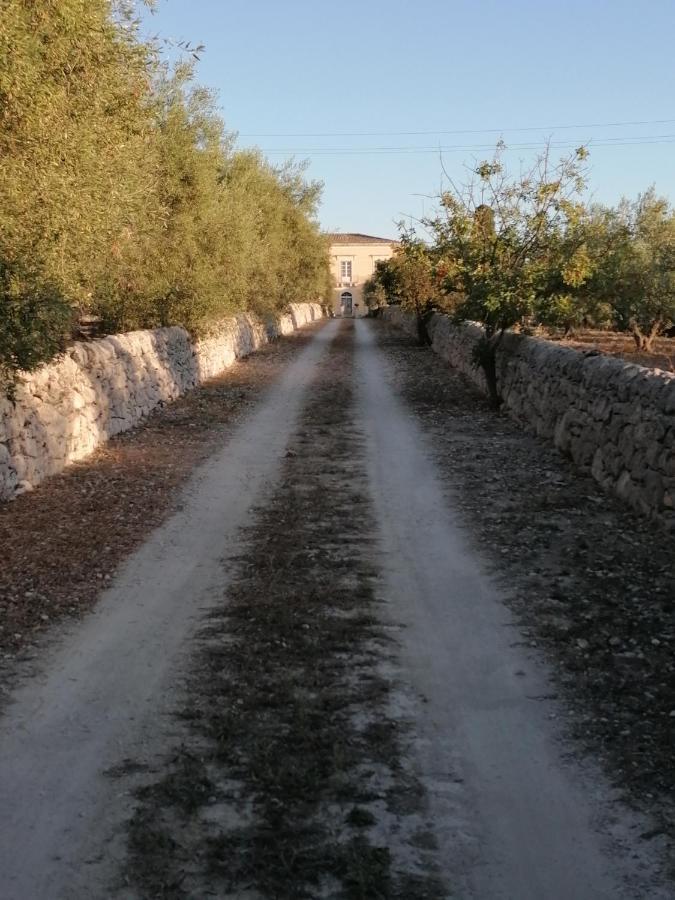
622 345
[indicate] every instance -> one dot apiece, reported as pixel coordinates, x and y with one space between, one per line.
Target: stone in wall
64 410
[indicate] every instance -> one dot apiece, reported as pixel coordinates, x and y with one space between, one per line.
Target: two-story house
352 260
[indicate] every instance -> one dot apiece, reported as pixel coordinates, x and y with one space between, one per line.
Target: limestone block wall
614 419
64 410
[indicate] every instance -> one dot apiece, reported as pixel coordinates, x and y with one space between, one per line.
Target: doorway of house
346 303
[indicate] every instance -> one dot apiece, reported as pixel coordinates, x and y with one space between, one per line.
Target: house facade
352 261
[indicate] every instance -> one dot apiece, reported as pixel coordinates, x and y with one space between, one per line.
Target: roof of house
339 237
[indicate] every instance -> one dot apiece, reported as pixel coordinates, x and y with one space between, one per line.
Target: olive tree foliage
627 276
634 278
289 261
568 297
77 165
503 243
34 319
170 271
122 194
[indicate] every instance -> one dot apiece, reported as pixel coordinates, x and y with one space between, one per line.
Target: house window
346 270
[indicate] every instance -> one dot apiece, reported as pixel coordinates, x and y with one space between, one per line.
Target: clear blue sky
310 68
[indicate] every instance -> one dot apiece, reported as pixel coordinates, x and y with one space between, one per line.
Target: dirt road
306 683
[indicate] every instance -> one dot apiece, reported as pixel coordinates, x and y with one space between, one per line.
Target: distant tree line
518 252
121 193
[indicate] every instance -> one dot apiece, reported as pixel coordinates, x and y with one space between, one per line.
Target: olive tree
635 275
122 194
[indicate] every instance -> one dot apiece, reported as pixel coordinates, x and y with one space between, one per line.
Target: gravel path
355 661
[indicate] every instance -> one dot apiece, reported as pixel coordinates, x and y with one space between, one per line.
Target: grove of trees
121 193
523 251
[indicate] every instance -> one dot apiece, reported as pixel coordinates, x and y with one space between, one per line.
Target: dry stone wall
66 409
614 419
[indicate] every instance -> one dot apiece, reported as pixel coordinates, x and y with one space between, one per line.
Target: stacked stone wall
64 410
614 419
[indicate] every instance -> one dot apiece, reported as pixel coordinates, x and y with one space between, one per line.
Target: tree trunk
485 354
645 340
490 371
422 330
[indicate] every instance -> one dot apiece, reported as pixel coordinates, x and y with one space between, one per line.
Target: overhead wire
541 128
622 141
